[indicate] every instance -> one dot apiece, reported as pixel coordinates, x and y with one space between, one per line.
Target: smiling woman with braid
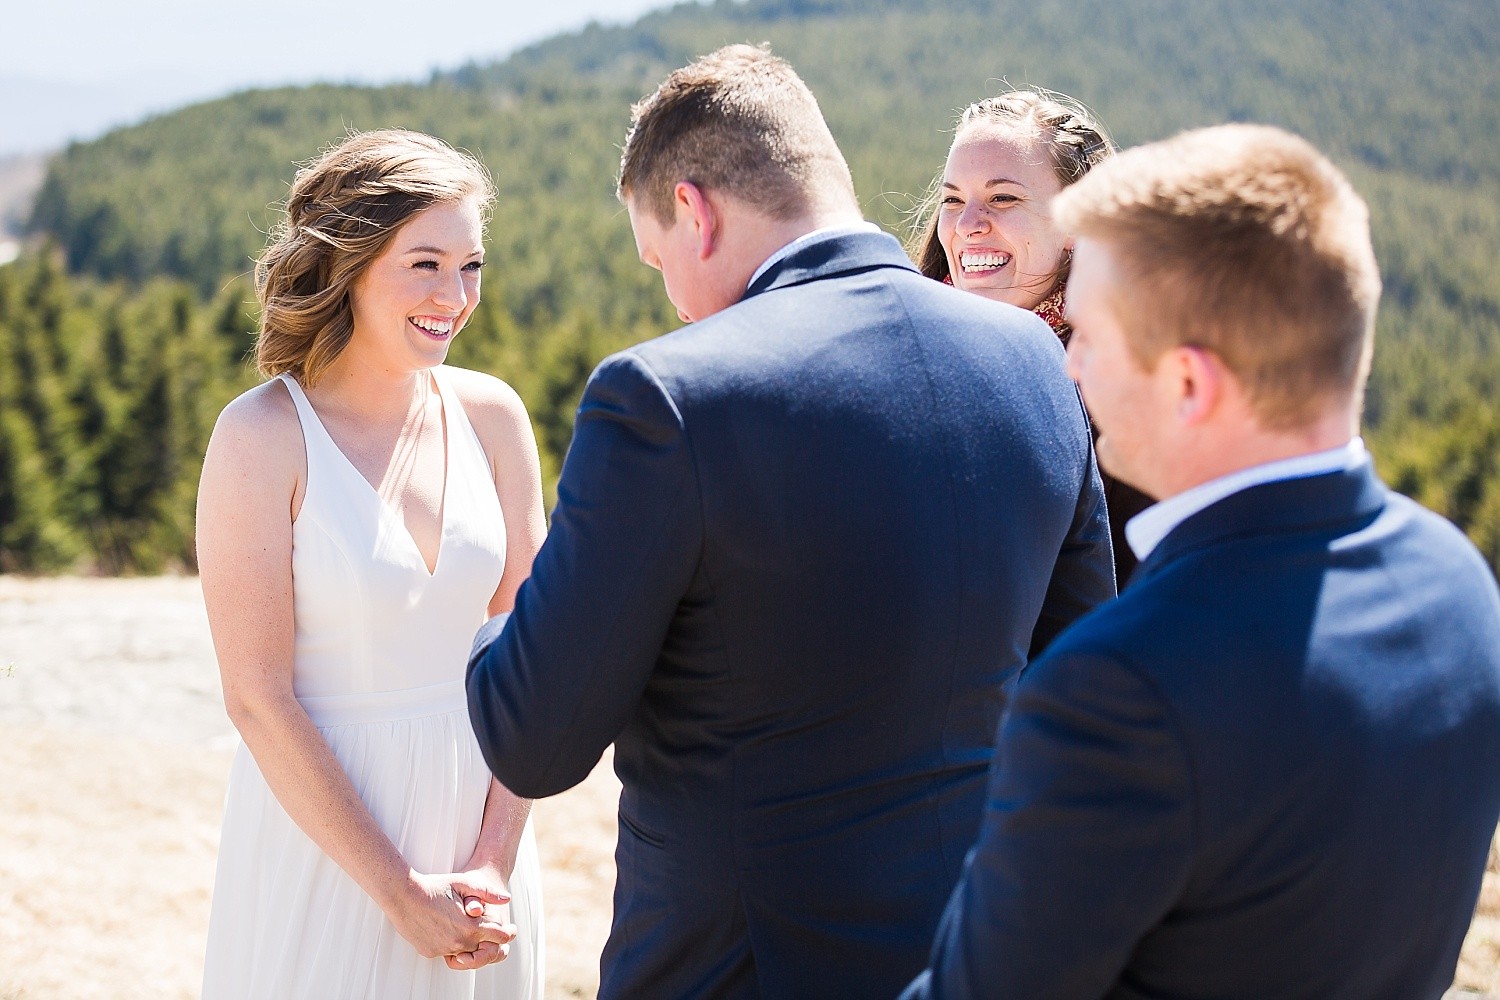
987 225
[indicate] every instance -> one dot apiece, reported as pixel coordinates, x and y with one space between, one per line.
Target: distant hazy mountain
42 115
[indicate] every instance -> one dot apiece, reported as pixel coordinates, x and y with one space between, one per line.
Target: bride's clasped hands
462 917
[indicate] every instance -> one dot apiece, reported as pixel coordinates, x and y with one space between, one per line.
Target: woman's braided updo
343 210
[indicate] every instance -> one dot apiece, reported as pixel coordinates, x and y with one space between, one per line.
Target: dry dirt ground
114 751
114 754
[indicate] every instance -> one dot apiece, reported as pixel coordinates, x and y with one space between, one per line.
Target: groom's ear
695 207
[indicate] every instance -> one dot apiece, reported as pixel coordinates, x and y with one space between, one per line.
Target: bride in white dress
359 516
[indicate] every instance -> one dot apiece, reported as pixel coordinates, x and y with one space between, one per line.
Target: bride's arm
250 483
504 429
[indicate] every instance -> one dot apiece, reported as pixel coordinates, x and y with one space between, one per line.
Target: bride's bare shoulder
260 423
267 409
477 389
493 407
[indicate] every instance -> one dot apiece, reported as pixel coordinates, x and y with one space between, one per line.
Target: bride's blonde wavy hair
342 212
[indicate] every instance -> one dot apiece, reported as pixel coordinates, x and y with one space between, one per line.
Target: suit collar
1282 506
837 253
1154 523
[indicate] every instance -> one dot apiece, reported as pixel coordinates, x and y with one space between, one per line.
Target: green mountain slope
1393 85
1404 95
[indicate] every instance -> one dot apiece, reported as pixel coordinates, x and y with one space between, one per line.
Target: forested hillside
157 224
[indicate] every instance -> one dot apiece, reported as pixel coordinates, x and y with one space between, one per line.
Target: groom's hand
486 954
433 915
480 887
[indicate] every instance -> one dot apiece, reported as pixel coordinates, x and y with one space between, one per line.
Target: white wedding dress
380 651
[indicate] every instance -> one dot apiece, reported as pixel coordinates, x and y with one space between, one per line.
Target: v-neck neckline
385 508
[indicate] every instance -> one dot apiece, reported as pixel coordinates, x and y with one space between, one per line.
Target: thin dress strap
458 418
318 445
305 413
312 426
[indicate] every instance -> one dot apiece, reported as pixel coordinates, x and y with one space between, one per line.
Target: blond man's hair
343 210
1246 241
737 121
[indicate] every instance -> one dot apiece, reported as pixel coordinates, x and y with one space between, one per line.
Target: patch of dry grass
113 765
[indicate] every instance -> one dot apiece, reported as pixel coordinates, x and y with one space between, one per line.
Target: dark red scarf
1051 310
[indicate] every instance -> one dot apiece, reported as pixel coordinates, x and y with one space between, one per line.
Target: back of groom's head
738 121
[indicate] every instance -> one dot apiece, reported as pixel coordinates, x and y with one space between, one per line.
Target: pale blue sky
71 68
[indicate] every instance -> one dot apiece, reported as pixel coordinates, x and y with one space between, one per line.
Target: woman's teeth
983 261
435 327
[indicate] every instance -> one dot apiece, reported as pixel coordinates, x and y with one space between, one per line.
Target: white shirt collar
1146 530
841 229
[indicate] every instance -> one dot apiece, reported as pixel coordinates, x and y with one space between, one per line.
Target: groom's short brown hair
740 121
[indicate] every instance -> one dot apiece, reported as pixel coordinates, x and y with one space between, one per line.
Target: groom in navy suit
1271 768
799 546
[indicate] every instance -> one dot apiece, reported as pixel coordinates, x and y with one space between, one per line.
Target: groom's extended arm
1086 841
553 687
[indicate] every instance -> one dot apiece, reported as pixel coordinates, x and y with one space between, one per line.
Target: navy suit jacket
798 546
1269 770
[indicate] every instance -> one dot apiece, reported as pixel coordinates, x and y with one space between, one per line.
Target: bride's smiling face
412 300
995 217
